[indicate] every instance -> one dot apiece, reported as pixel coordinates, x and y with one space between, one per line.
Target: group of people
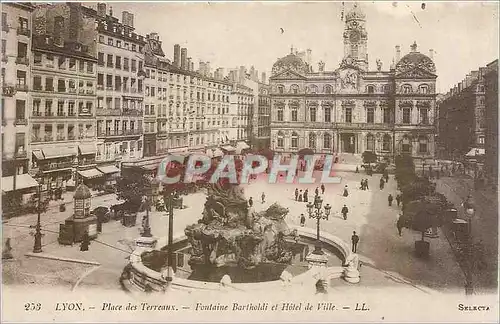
304 196
262 197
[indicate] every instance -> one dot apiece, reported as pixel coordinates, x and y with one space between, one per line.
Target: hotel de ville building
354 109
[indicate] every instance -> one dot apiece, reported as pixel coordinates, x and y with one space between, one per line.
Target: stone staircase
348 158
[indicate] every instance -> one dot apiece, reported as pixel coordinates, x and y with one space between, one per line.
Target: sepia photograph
250 161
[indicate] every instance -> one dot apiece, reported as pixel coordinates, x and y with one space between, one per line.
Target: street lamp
146 230
37 248
314 210
469 209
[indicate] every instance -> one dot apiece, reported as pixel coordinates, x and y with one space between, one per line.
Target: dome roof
414 60
82 192
292 62
355 13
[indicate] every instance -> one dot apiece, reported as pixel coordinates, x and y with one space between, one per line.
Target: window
386 88
348 115
72 63
118 44
328 89
328 114
312 114
118 64
134 48
48 107
22 50
20 140
422 144
295 140
327 140
101 39
406 115
110 41
423 89
406 88
424 116
387 115
71 108
312 140
294 113
100 79
480 140
20 109
125 64
281 139
81 65
294 89
370 89
21 78
60 108
36 107
118 82
61 86
49 84
109 61
280 113
90 67
37 57
370 115
281 89
386 143
406 145
23 24
37 82
370 142
109 81
61 62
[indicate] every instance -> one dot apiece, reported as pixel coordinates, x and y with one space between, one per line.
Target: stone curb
52 257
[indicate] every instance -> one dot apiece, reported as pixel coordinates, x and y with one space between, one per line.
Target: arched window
281 139
422 144
370 142
386 143
423 89
406 88
328 89
406 145
370 89
327 140
312 141
295 140
294 89
281 89
314 88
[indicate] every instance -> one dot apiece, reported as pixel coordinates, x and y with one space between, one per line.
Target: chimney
188 65
264 77
58 30
177 55
207 67
101 9
398 53
75 21
127 19
241 76
431 54
183 58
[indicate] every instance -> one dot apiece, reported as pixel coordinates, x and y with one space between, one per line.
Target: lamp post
37 248
469 209
146 231
315 211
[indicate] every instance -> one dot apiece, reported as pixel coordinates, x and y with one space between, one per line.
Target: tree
369 157
132 187
418 188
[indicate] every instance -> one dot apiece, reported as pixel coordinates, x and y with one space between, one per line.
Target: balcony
36 139
120 132
132 112
49 89
60 138
108 112
22 87
21 121
23 31
56 166
61 114
72 90
48 138
89 91
63 90
22 60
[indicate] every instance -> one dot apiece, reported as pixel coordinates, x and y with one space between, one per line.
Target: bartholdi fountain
234 243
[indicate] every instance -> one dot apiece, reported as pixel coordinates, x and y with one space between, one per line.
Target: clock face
354 36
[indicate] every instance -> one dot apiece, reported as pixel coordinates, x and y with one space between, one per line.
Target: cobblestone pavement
388 259
484 227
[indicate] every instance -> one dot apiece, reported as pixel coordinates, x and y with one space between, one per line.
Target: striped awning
90 174
38 154
240 146
58 152
23 181
87 148
108 169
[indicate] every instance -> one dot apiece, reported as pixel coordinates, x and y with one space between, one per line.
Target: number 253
32 306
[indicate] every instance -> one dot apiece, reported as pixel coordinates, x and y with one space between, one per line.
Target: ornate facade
352 109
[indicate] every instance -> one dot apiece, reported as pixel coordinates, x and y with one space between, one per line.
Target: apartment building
241 111
63 103
120 89
262 130
16 75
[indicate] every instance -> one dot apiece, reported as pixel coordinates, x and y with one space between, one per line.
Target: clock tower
355 39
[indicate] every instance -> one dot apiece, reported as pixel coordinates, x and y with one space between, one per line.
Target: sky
464 35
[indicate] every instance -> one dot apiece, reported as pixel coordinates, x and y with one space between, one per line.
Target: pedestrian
354 240
390 198
357 169
398 199
7 250
300 196
316 191
306 192
437 174
250 202
362 184
302 220
344 212
263 197
296 194
84 246
346 192
366 184
382 182
322 189
400 224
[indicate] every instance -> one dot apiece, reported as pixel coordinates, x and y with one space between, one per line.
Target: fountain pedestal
351 272
149 242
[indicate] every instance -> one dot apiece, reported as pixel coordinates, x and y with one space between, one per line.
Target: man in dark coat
344 212
398 199
322 189
84 246
300 196
366 184
354 240
302 220
389 199
346 192
400 224
382 182
316 191
250 202
296 194
305 195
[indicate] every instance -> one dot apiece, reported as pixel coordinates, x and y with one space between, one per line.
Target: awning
87 148
240 146
150 167
108 169
209 153
38 154
91 173
218 152
23 181
475 152
57 152
178 150
228 148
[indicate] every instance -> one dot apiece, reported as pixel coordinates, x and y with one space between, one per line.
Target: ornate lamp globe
318 201
310 207
328 209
